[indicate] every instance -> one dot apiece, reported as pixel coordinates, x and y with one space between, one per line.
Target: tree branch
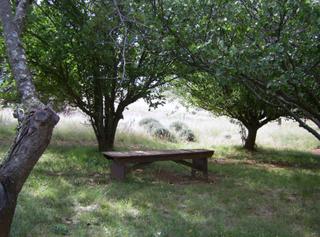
124 39
20 15
17 58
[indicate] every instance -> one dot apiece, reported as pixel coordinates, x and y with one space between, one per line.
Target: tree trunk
30 143
250 140
36 124
106 142
105 134
7 208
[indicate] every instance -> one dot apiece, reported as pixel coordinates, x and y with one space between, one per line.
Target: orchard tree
99 56
226 97
272 47
36 123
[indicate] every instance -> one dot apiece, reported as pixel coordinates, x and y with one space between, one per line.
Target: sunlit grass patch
70 193
270 192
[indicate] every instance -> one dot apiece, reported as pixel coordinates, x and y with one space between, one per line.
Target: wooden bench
120 160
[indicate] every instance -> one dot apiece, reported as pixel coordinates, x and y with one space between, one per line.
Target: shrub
150 124
183 131
164 134
156 129
187 135
147 121
177 126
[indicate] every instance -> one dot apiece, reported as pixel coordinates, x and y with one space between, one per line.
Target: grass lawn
267 193
271 192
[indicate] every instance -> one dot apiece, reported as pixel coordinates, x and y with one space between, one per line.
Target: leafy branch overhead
103 56
225 97
271 47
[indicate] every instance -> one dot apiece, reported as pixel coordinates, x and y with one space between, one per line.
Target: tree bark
30 143
36 124
106 142
7 207
250 141
106 133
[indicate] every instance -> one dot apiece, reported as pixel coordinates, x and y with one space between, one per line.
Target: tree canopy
102 57
225 97
272 47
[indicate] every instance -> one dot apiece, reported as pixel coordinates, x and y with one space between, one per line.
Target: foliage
103 56
177 126
163 133
8 92
183 131
149 123
225 97
272 47
156 129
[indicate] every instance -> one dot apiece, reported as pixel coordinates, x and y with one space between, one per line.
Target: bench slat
141 156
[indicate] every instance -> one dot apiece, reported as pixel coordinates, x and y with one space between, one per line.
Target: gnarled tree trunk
36 124
31 141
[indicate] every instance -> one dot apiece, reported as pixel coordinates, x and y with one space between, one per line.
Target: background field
272 192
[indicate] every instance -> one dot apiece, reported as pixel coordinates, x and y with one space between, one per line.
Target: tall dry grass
210 131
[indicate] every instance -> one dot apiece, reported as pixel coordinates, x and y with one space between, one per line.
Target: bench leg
200 164
118 171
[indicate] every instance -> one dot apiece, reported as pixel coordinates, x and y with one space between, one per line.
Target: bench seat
119 166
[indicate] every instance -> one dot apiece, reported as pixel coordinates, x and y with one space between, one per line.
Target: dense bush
156 129
150 124
163 133
177 126
183 131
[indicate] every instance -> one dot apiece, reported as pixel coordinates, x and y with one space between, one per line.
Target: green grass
279 157
271 192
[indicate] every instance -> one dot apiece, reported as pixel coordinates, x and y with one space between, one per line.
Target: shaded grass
70 194
271 192
280 157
